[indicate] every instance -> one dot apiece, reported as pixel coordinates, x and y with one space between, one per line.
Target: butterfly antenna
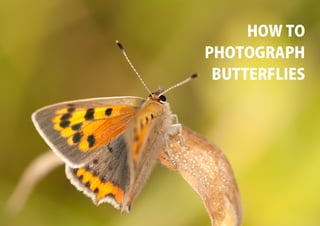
181 83
131 65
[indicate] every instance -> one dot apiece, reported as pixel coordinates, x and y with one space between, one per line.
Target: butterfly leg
168 152
175 130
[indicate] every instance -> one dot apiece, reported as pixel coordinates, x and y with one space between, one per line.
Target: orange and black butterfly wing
76 129
106 177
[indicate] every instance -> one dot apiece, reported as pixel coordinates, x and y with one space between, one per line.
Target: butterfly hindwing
106 177
77 128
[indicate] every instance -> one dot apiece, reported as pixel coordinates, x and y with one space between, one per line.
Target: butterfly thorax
153 115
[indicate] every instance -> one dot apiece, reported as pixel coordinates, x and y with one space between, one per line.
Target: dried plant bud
208 172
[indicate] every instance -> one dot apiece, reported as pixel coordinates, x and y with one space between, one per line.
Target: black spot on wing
87 184
76 127
77 137
110 148
91 140
108 111
64 123
71 109
65 116
89 114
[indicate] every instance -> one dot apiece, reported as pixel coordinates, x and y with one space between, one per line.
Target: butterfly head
158 96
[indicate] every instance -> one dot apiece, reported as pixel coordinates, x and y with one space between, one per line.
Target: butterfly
110 145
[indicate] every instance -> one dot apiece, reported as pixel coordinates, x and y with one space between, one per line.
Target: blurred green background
55 50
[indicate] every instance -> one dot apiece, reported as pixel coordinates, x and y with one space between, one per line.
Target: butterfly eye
162 99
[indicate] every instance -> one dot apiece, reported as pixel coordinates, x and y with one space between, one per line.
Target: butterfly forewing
77 128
